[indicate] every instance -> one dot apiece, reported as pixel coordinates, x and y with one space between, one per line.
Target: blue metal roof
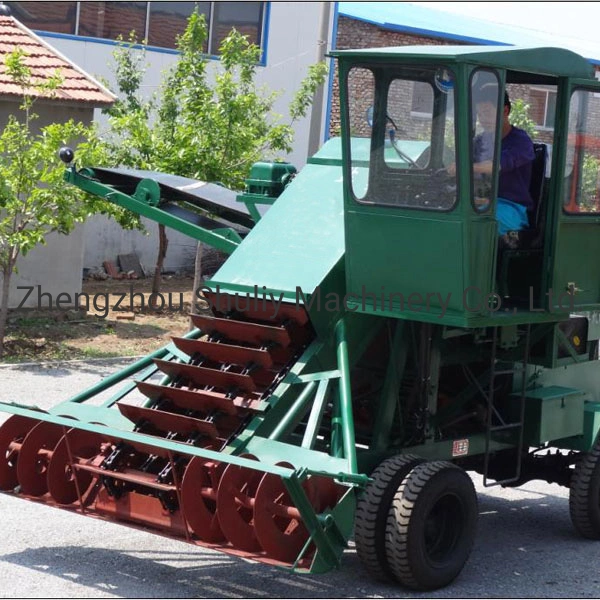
419 20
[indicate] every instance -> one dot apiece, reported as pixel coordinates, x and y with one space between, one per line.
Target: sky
578 21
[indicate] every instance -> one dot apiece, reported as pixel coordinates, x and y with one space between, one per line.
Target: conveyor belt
216 200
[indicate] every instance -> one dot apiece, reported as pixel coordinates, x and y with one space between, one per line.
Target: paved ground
525 545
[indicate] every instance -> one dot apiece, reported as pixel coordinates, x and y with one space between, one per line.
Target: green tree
34 200
519 117
212 129
588 196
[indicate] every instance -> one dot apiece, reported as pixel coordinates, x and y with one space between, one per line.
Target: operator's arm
485 166
478 167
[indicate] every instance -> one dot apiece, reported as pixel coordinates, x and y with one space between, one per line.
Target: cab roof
556 62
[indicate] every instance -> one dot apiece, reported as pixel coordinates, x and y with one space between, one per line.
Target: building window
60 17
159 22
167 20
112 19
246 17
543 107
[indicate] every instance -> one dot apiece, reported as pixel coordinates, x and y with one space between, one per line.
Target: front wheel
372 511
431 525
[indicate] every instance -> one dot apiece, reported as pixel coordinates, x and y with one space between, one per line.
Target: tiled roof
43 60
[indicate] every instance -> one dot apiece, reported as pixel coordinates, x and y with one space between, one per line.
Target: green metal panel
591 426
442 450
551 61
575 238
299 241
552 413
405 254
578 238
425 265
583 376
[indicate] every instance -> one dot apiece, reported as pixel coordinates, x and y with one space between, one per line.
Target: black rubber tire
431 525
372 510
584 494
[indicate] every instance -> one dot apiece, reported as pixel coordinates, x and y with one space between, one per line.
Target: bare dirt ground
128 327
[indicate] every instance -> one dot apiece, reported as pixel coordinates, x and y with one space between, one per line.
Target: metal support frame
224 239
389 399
345 397
166 352
316 415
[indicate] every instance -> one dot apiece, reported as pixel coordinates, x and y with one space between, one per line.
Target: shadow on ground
524 548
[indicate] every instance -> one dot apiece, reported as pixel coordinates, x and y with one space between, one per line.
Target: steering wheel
400 153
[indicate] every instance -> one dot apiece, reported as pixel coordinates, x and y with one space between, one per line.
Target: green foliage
34 200
519 117
303 99
213 131
588 195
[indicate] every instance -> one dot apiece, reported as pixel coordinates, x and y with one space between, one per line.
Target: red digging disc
34 458
61 477
322 492
12 433
279 529
199 498
235 505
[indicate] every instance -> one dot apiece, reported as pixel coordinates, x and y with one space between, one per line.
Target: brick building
378 24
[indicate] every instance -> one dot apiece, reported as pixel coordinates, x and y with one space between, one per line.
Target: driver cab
419 212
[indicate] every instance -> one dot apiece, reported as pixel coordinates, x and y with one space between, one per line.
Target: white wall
56 266
105 239
291 48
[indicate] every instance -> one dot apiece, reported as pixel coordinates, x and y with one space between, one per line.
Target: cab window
412 138
582 168
485 90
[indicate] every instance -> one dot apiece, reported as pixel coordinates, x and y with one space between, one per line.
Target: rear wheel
372 511
584 494
431 525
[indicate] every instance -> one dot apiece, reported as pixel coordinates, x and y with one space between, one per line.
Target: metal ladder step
261 310
509 371
514 426
203 376
225 353
241 331
201 401
168 421
506 427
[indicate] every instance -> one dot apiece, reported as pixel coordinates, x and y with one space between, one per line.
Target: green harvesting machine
368 340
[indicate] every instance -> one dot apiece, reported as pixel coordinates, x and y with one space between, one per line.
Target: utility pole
316 114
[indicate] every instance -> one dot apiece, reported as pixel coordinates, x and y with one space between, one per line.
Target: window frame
149 29
108 39
547 91
594 94
497 143
377 166
263 31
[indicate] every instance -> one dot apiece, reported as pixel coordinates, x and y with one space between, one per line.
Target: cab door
574 282
405 234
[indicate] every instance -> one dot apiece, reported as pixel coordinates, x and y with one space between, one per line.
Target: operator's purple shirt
515 163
